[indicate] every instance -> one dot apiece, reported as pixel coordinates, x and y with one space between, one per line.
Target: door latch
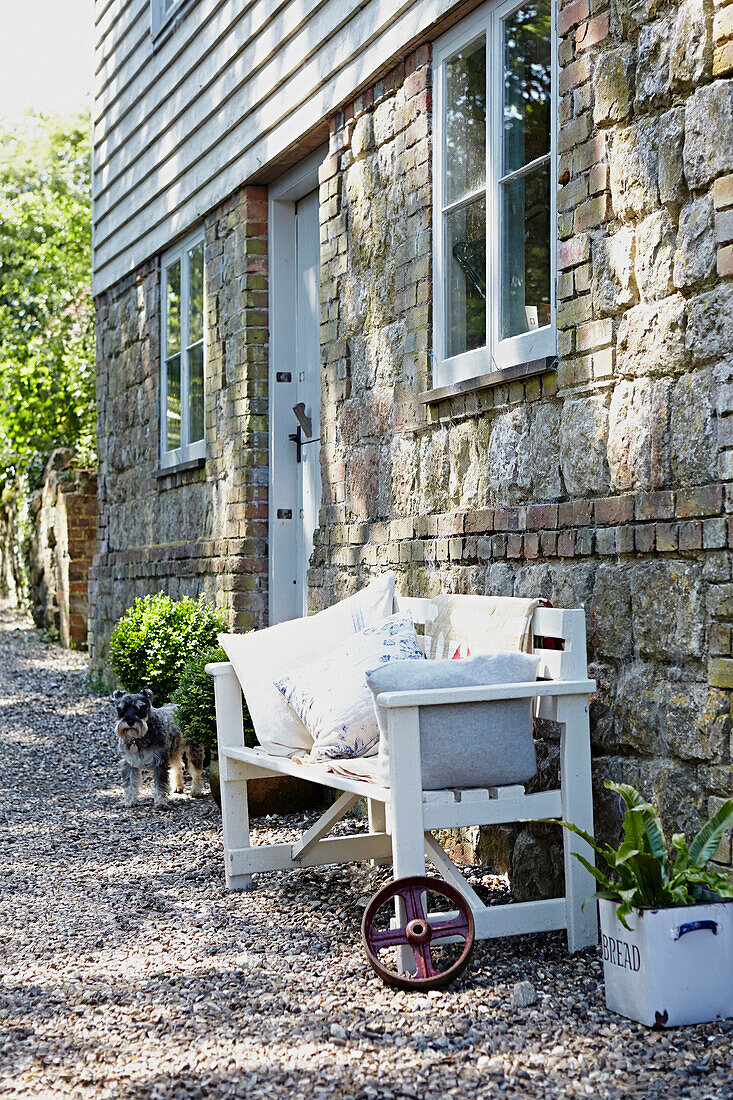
305 426
304 421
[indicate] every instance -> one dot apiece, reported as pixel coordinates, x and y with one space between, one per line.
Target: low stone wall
11 570
63 514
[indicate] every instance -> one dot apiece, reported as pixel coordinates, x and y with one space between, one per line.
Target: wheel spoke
393 937
413 904
458 926
423 961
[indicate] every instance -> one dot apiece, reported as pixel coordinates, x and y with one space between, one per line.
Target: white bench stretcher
403 817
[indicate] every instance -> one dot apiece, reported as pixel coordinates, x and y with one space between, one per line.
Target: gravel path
129 972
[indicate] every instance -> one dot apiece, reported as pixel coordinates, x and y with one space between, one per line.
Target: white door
295 402
307 423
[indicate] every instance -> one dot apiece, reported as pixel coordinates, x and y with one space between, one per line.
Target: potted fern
666 921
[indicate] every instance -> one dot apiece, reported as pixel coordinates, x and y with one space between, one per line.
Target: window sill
488 381
180 467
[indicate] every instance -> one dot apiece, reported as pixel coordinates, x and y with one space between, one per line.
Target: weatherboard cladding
229 94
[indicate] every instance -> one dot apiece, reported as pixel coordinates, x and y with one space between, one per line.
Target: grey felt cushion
466 744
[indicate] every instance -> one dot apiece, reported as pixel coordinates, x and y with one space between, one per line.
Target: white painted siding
220 97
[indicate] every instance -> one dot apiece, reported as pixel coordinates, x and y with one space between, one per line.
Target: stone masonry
601 484
63 522
204 529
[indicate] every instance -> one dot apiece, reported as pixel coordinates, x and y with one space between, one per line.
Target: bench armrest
430 697
219 668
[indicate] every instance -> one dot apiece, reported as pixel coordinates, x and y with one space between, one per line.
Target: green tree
46 310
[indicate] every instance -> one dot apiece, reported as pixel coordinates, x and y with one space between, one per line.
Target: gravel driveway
129 972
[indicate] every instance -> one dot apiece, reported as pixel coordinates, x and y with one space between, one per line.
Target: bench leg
377 816
235 822
408 835
234 808
577 806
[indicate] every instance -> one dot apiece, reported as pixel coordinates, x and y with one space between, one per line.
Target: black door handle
297 438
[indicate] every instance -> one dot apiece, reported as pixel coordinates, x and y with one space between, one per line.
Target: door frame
282 198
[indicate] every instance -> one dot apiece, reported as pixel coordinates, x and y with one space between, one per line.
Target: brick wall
63 516
200 530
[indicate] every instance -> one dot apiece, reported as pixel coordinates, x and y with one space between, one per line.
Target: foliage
46 312
194 698
157 637
642 871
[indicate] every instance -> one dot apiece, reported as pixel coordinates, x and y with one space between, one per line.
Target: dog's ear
117 695
148 695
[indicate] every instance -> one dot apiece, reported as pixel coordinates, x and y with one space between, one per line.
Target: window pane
465 121
196 392
173 308
196 294
465 239
527 84
173 368
525 282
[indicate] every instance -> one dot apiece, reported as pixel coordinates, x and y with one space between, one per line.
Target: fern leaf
657 845
682 860
705 844
597 875
631 797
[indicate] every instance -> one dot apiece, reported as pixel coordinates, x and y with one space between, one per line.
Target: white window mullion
185 311
163 359
465 200
492 241
555 99
439 138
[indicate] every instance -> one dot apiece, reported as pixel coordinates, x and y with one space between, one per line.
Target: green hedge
194 698
157 637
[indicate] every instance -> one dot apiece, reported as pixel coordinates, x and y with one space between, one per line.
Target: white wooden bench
403 817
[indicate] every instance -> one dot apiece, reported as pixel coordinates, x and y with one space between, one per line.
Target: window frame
187 452
159 17
495 354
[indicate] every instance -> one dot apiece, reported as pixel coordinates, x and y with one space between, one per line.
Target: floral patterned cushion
263 656
330 695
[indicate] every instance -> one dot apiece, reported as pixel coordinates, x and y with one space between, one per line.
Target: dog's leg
195 759
176 773
161 781
131 781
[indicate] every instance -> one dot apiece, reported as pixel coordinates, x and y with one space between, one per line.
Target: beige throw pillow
264 656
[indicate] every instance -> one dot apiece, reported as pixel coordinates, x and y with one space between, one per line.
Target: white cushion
330 695
263 656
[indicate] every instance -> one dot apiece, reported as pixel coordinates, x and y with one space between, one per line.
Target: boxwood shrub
155 639
194 698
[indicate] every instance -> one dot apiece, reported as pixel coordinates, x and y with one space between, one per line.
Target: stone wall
602 484
11 566
204 529
63 514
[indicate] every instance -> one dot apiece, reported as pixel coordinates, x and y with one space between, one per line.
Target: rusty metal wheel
425 936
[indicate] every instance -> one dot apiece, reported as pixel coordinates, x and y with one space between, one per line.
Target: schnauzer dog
147 738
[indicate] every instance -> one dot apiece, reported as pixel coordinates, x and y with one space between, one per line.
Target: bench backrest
564 659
